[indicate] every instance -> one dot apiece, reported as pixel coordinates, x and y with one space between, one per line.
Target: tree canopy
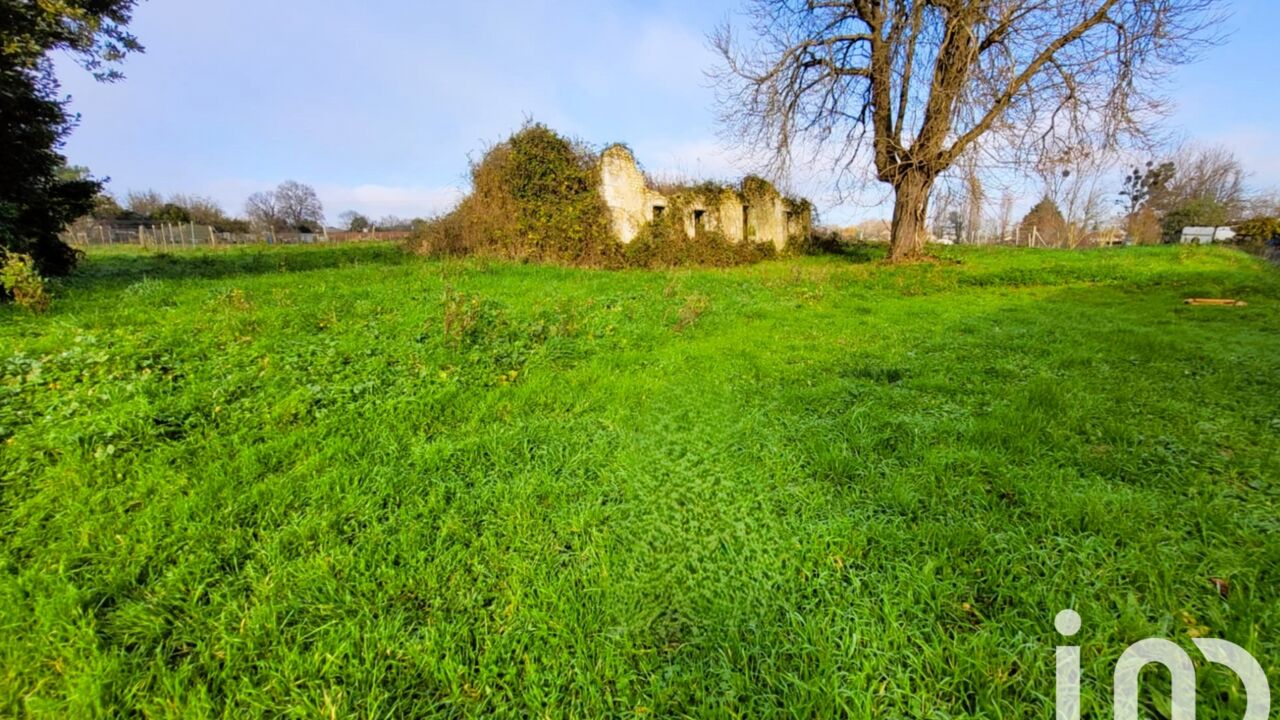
39 194
1046 223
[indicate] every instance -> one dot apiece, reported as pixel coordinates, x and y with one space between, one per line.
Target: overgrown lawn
349 482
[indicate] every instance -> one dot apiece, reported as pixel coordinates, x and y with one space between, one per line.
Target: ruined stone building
754 211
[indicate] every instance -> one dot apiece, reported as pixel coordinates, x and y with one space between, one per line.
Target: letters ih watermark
1162 652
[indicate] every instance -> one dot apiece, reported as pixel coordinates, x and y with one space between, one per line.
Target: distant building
1206 235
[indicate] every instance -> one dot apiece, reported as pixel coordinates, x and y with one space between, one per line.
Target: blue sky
378 104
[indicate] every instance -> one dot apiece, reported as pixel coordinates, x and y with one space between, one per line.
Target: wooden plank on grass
1228 302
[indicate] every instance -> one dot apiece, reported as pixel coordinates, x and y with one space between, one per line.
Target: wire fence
172 236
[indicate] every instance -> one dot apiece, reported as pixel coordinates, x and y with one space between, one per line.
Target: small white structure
1206 235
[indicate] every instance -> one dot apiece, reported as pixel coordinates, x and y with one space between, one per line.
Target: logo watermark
1162 652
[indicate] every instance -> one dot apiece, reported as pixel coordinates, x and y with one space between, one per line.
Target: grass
344 482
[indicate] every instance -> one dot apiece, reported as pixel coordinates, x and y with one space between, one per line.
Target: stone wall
630 200
755 211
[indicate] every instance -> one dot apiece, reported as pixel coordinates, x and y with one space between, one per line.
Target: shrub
1260 230
1144 227
534 197
820 241
471 320
20 282
663 242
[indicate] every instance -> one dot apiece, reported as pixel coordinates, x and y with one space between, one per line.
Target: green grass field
347 482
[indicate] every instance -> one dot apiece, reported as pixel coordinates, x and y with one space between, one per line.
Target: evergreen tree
39 194
1047 222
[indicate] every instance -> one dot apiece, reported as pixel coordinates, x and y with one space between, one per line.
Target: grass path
343 481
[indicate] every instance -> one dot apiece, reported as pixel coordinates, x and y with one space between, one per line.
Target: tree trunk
910 205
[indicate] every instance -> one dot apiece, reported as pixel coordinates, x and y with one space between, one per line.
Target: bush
820 241
663 242
1260 230
533 197
20 282
1144 227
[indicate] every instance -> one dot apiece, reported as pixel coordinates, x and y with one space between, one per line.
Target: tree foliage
1195 187
1259 230
354 221
1045 220
1195 212
38 196
171 213
1146 187
149 206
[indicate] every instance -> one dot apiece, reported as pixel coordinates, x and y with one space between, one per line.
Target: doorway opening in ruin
658 210
698 221
746 220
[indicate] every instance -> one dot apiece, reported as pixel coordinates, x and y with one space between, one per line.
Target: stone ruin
753 211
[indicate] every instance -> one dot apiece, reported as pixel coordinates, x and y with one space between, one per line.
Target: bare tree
299 206
915 83
873 230
975 197
946 222
1264 203
1208 173
262 210
144 202
392 222
291 206
1075 179
1007 199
